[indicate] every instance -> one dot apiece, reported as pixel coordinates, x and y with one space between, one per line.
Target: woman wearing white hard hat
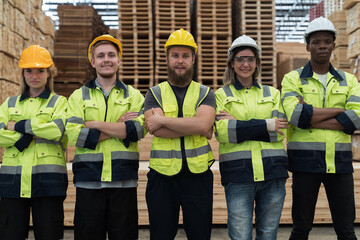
250 129
33 175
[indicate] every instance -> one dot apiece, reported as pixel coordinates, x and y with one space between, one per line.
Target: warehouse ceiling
292 16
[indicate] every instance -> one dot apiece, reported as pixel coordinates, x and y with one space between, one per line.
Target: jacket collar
307 72
91 84
239 86
44 95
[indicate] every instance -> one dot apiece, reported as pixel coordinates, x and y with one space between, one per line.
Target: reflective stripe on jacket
109 160
320 150
166 157
247 151
36 167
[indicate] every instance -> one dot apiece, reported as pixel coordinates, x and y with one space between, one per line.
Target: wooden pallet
214 39
79 25
136 35
354 44
170 15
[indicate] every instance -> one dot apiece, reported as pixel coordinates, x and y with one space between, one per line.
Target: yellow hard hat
105 37
181 38
35 57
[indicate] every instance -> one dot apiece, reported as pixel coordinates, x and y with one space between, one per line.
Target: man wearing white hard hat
105 122
323 105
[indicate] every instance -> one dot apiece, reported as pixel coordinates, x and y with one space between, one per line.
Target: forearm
322 114
187 126
330 124
167 133
116 130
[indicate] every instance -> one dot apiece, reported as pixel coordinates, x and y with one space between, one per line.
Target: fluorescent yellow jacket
320 150
248 152
112 159
33 164
166 157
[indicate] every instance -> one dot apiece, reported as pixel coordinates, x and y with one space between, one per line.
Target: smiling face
320 46
180 62
36 78
105 60
244 65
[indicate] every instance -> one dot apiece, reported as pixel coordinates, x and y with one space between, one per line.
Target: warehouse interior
67 27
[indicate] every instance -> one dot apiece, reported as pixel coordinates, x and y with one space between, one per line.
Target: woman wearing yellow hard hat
33 174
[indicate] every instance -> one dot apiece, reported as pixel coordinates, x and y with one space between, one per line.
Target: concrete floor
319 232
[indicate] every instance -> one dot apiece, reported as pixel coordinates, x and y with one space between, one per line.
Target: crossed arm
169 127
108 129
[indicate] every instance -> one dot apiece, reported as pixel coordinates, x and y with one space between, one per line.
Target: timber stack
214 39
136 36
78 26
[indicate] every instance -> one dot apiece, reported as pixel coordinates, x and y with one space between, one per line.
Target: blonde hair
229 74
49 82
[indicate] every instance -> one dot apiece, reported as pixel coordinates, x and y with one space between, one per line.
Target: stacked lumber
136 36
355 67
170 15
22 23
258 22
214 39
288 61
353 30
78 26
338 57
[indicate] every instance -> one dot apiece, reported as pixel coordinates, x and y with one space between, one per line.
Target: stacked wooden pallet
170 15
353 31
78 26
258 22
290 60
339 58
22 23
136 35
331 6
214 39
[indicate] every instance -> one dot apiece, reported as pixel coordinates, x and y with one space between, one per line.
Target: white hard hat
244 41
319 24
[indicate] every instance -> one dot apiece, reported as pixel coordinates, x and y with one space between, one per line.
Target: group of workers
317 111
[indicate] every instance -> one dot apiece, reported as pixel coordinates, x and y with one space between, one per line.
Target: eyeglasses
243 59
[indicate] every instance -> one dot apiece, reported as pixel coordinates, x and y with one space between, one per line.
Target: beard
180 79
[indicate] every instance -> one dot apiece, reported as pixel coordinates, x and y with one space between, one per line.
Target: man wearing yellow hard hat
33 172
105 122
180 114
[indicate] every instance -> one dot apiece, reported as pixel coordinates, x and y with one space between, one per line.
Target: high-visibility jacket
319 150
113 159
248 152
33 164
166 156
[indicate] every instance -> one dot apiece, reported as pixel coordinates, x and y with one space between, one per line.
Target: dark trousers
111 210
340 194
47 214
165 195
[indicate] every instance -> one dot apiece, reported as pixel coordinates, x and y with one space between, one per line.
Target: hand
301 101
280 123
128 116
11 125
224 115
153 122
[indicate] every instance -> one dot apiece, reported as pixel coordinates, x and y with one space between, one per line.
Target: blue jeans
268 197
